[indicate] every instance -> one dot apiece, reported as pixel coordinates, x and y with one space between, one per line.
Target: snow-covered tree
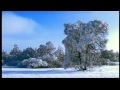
83 39
59 51
45 49
28 53
15 51
50 47
14 56
42 50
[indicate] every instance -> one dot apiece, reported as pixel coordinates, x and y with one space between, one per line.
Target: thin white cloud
14 24
25 32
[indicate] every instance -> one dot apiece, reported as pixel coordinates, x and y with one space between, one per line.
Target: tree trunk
79 61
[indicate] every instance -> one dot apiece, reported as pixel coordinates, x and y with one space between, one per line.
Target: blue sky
32 28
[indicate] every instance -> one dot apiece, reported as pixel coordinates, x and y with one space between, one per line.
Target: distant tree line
48 57
44 56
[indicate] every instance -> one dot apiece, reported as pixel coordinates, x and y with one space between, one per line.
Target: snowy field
97 72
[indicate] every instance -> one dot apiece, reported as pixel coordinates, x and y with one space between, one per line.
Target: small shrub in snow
33 63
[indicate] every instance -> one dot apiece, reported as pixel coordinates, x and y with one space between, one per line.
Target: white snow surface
96 72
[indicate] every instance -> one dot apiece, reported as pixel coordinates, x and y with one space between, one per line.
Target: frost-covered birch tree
83 40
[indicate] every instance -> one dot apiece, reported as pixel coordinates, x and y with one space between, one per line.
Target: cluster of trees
44 56
110 55
85 44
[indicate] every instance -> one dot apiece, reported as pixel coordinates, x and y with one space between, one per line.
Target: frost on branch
84 40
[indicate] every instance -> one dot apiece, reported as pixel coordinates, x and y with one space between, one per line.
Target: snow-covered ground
97 72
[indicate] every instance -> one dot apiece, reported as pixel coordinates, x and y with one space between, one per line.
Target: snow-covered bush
44 64
48 60
33 63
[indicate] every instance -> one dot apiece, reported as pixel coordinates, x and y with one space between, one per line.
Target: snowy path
97 72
